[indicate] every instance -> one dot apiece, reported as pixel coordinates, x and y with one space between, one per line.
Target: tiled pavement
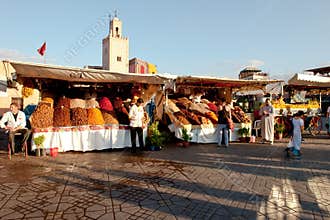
244 181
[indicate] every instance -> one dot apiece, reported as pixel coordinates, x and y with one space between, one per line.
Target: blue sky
215 37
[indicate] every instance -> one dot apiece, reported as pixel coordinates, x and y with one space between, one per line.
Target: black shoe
133 151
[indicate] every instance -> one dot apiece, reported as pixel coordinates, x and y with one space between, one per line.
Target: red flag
42 49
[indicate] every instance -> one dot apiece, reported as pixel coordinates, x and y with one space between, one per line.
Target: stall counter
209 134
85 138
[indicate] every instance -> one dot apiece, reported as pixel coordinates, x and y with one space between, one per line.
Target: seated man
14 122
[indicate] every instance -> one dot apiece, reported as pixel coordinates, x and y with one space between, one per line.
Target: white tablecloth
86 138
209 134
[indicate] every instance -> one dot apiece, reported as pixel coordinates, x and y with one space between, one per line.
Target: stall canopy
309 81
274 88
71 74
325 71
215 82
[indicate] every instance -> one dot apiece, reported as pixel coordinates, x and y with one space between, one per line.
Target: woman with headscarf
267 122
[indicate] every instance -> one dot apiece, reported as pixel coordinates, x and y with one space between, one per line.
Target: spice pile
79 117
42 117
109 118
105 104
95 116
62 117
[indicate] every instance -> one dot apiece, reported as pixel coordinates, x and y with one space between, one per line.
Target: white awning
309 81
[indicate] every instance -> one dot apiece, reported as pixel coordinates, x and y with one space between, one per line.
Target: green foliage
243 132
39 140
279 128
185 135
155 138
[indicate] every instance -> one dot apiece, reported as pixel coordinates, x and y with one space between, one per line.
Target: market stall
84 109
304 93
196 110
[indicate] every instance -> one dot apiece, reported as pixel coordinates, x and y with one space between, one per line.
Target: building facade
115 49
140 66
253 73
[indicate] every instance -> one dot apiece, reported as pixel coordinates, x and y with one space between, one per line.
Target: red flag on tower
42 49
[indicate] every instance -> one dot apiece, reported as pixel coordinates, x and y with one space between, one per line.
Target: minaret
115 48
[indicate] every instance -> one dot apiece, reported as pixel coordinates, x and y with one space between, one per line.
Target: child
298 127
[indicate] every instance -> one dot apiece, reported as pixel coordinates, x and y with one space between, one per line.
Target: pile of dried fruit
27 89
79 116
109 118
63 101
42 117
62 117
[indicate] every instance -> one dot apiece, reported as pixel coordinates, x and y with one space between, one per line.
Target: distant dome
250 69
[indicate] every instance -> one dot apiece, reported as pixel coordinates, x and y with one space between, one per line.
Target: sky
183 37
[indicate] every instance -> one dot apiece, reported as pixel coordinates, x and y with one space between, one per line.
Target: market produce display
109 118
192 117
42 117
79 116
49 100
212 107
181 118
77 103
206 121
63 101
199 108
201 113
105 104
239 116
183 103
27 89
172 106
62 117
282 105
95 116
212 116
92 103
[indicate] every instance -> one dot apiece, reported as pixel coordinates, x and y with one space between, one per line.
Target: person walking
224 115
136 117
13 122
267 122
298 126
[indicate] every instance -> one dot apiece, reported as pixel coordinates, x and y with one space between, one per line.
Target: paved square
244 181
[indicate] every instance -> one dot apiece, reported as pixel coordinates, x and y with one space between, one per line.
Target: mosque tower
115 48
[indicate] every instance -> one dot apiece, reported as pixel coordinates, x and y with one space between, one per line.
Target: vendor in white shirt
13 122
136 117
